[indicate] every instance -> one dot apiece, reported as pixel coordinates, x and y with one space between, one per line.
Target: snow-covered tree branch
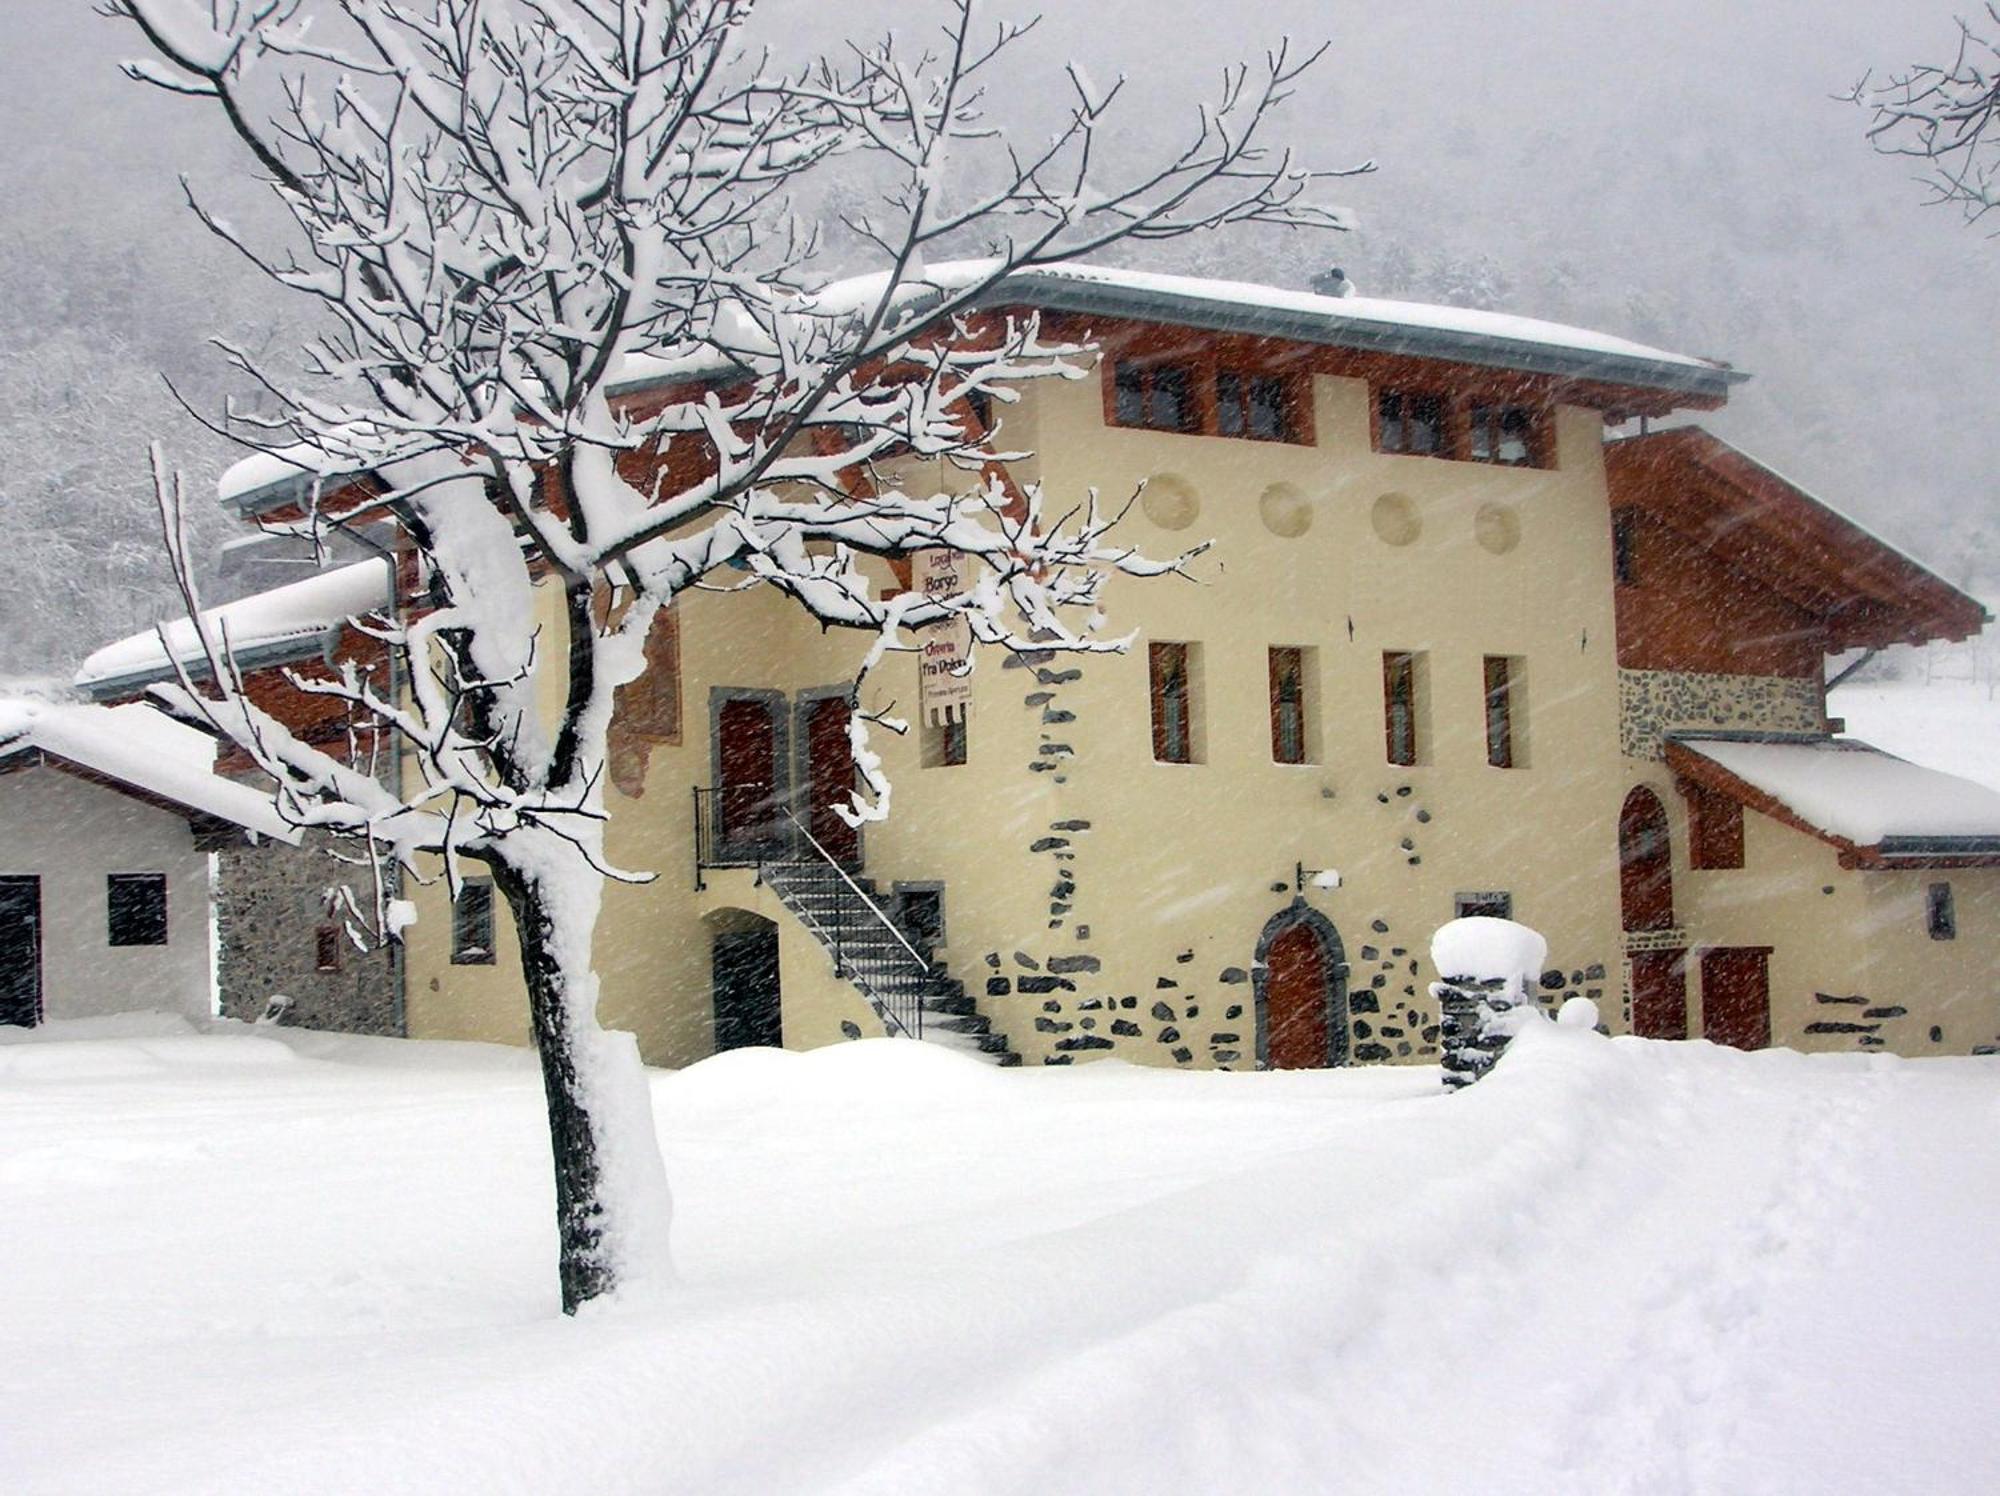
577 335
1947 115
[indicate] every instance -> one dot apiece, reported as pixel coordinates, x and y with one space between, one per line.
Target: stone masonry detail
1652 703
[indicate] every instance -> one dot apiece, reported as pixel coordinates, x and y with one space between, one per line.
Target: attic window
1503 434
1157 397
1252 405
1412 423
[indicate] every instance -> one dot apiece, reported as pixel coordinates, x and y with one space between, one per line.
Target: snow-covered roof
142 749
1493 339
1853 793
281 623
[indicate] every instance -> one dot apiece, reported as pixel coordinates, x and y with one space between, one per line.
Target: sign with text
944 660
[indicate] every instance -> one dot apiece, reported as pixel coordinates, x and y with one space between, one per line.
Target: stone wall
271 902
1652 703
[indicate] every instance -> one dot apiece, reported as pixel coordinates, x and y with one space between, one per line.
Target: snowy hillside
256 1263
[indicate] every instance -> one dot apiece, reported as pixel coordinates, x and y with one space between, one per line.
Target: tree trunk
612 1204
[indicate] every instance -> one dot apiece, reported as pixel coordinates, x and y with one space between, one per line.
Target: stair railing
858 964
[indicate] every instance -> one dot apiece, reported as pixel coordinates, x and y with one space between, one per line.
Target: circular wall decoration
1497 528
1395 519
1286 512
1170 503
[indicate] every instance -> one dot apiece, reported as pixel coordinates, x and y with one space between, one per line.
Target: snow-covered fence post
1488 967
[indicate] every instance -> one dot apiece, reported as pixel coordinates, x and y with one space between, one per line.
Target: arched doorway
1646 906
743 980
1301 986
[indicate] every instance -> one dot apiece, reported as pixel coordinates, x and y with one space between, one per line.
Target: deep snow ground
254 1263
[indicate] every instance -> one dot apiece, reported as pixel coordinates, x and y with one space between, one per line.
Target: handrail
874 909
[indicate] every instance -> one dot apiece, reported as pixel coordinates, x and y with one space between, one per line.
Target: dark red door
1736 996
748 739
1645 863
830 778
1295 1001
1659 994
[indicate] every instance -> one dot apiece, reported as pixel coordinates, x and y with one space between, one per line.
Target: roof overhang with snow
287 623
1370 324
1868 593
1878 811
139 752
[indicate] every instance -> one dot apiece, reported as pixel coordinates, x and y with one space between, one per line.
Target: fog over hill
1683 175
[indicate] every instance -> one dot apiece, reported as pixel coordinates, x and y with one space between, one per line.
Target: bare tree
508 210
1948 117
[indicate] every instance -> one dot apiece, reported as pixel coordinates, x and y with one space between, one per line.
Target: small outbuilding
108 817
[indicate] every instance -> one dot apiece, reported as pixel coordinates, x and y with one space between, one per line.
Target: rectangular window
1715 829
1487 904
1503 434
472 923
1399 706
1501 711
326 948
1171 671
1290 709
1624 547
136 908
1412 423
1940 918
1157 397
1252 405
941 744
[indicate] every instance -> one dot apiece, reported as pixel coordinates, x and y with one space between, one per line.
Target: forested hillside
1649 171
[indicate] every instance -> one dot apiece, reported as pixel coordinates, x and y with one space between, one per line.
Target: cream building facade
1401 684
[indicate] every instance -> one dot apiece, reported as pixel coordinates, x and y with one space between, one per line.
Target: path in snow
236 1264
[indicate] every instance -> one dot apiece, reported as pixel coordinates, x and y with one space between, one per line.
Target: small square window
136 905
472 923
1940 917
1487 904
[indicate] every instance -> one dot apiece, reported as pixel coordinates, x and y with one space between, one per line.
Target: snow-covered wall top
297 611
1859 793
138 746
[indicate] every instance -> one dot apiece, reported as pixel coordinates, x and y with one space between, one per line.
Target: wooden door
748 754
1295 1001
1736 996
21 951
748 1007
1645 863
1659 994
830 778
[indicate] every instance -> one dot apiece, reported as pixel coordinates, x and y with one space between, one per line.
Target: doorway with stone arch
1300 980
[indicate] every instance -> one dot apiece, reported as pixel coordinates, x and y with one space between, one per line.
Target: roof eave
250 657
1703 382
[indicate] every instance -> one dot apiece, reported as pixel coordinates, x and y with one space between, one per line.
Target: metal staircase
913 993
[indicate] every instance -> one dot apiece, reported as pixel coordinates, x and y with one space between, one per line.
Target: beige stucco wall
71 834
1098 901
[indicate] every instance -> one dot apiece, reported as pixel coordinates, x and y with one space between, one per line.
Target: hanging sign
944 659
